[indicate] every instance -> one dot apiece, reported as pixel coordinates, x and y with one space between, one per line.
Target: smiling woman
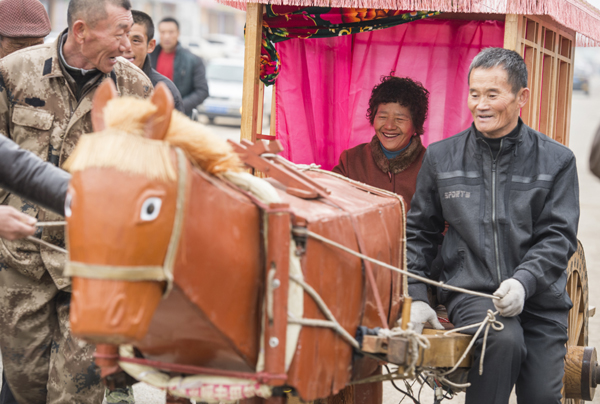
397 111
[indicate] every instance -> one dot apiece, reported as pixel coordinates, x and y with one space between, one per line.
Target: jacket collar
509 141
158 48
147 67
399 163
52 67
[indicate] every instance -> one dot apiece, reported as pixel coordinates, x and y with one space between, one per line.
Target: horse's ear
158 124
105 92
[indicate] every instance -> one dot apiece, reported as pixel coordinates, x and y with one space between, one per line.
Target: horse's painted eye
150 209
68 201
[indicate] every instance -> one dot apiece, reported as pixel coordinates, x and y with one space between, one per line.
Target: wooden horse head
122 212
157 124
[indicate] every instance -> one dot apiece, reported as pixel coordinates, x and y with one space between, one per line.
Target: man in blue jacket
180 65
510 197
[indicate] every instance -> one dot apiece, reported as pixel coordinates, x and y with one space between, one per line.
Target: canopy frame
547 47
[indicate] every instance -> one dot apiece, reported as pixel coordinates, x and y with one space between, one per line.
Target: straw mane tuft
122 144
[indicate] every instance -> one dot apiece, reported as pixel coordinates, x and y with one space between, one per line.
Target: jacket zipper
494 216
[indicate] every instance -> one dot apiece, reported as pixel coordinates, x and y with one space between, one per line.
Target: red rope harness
260 377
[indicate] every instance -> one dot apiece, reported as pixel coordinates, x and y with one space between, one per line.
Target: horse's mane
122 144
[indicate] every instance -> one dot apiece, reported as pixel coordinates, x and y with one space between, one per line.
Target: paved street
585 118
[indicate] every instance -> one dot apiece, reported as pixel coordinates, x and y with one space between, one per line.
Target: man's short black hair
141 18
92 11
404 91
170 19
511 62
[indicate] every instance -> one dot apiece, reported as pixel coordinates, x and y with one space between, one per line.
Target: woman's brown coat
367 163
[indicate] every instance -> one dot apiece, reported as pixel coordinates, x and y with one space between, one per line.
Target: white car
201 47
214 46
225 85
231 46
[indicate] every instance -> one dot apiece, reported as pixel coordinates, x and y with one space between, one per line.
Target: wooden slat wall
549 53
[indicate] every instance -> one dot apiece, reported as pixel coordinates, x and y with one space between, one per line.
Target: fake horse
207 270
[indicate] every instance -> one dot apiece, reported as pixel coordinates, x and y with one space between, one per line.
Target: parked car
581 81
201 47
225 84
214 46
231 46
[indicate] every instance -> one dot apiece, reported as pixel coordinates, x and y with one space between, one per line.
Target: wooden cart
546 36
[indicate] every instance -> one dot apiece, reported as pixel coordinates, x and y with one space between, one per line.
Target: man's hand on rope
512 298
420 313
14 224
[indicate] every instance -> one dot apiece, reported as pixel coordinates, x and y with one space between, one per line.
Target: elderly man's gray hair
92 11
511 62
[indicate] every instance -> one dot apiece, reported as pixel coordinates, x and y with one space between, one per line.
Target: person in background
142 41
180 65
45 106
23 23
595 155
392 159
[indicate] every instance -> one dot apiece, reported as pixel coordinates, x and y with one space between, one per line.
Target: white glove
420 313
512 298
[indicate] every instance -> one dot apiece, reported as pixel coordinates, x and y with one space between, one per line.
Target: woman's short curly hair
406 92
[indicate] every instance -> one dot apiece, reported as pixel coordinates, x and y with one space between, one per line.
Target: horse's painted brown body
213 315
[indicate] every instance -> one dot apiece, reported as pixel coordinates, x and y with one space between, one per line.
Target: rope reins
300 231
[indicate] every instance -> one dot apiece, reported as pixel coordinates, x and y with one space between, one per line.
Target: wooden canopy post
251 96
511 32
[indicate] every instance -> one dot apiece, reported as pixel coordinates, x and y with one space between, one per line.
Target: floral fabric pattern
281 23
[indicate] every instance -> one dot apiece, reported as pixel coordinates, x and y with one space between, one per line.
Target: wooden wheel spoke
577 289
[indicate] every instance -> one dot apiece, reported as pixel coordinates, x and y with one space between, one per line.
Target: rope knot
416 341
491 319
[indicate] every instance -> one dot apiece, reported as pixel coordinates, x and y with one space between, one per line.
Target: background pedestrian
180 65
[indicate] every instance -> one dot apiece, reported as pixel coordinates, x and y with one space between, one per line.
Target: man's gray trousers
529 353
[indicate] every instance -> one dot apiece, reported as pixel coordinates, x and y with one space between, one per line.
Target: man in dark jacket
180 65
510 197
142 41
26 175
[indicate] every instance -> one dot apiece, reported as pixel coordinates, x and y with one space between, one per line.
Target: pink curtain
325 84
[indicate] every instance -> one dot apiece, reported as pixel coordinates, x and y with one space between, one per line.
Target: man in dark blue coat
510 197
180 65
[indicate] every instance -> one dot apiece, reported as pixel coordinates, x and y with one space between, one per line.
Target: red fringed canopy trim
577 15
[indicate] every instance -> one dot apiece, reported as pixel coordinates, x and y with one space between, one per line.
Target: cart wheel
577 287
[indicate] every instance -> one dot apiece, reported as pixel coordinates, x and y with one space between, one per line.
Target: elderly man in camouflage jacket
45 101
